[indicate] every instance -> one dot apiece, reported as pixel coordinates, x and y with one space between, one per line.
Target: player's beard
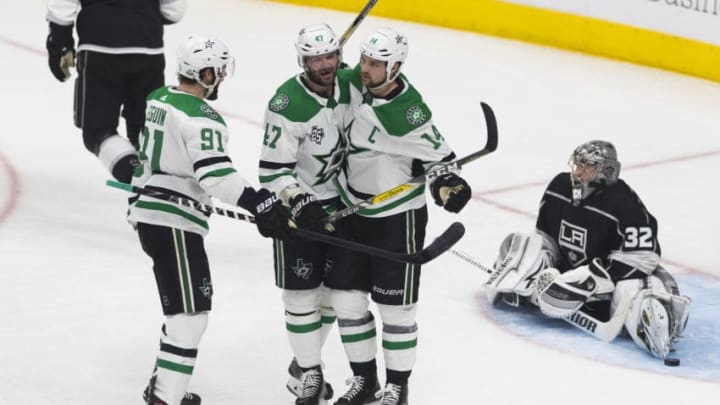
317 78
373 84
214 93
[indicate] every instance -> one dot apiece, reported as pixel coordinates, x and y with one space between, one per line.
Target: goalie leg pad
649 324
657 316
520 258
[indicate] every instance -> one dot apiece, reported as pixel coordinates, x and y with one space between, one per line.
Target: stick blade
442 243
492 130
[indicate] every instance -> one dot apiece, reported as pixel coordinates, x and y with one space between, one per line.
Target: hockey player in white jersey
183 151
594 258
392 139
302 151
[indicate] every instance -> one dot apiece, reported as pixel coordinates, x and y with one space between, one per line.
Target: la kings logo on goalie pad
574 239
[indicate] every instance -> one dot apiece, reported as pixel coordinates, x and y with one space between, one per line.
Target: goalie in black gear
594 258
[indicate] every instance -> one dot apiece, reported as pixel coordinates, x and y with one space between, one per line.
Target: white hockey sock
113 149
359 338
327 315
356 324
399 337
305 338
178 352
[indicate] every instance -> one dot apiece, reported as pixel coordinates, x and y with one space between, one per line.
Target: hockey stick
363 13
605 331
442 243
441 168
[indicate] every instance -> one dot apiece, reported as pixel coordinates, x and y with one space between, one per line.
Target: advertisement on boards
692 19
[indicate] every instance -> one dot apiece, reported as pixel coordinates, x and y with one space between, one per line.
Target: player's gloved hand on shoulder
308 212
451 192
271 217
61 50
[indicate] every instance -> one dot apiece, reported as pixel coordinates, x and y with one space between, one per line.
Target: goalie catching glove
271 217
451 192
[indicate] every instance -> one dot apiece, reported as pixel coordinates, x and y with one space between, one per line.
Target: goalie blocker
651 309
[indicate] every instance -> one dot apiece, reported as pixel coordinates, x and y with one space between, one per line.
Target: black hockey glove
307 212
451 192
272 219
61 50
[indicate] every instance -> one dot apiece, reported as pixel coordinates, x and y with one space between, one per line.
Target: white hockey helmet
316 39
603 156
387 45
197 53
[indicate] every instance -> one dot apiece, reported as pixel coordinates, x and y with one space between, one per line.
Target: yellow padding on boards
562 30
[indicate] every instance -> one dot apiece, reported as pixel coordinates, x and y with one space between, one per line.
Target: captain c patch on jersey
574 239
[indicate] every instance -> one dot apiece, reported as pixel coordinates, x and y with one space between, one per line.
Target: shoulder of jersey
622 196
293 102
561 184
404 113
351 76
188 104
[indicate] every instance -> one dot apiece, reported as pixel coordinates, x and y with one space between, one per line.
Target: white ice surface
79 313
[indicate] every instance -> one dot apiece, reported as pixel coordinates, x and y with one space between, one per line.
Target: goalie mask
318 39
389 46
593 164
197 53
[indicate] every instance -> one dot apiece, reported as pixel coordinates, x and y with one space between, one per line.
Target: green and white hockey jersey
387 139
303 143
183 151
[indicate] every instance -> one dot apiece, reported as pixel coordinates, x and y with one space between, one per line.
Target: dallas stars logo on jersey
415 115
331 162
279 103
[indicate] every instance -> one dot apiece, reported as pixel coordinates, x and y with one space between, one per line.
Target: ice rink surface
79 313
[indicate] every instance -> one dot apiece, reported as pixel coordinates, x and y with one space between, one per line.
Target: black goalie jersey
612 223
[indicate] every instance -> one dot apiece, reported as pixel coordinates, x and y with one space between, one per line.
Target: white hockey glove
561 294
520 258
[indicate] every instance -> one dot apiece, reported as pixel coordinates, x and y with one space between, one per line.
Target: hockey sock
304 335
119 157
397 377
399 336
327 315
359 338
178 352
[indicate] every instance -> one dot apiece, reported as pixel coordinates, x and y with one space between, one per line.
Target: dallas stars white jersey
303 143
387 139
183 150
